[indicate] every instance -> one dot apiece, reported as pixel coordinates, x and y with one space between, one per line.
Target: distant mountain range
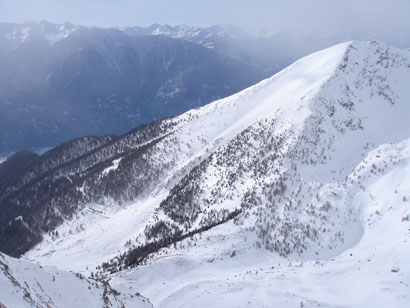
59 82
263 52
63 81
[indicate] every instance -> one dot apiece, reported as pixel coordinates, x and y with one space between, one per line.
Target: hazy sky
381 15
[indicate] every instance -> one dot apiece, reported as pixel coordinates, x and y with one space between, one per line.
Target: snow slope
95 236
373 273
23 284
299 184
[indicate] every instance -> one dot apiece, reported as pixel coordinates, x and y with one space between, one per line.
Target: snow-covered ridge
53 33
306 167
198 34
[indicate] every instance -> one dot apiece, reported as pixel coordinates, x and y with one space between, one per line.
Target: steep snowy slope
221 268
292 192
23 284
194 136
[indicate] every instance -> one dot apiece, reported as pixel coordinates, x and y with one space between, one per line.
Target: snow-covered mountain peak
316 179
364 101
289 170
306 127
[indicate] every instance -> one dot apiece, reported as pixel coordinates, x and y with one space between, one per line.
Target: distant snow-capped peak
52 33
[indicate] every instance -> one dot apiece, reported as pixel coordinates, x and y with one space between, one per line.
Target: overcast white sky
379 15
